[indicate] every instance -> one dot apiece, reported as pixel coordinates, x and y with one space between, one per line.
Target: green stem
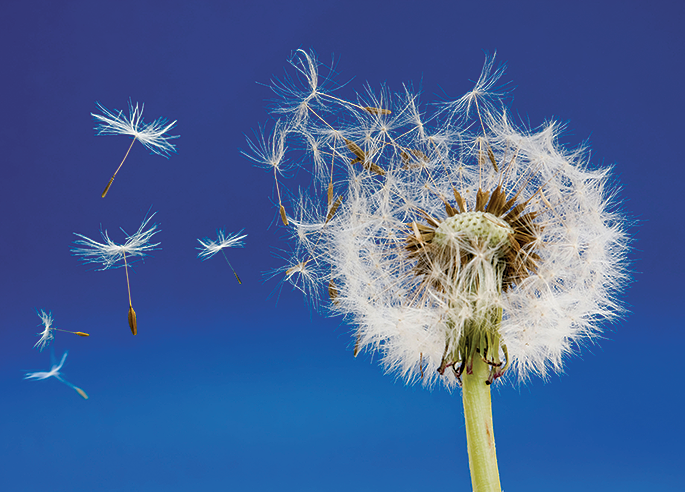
480 437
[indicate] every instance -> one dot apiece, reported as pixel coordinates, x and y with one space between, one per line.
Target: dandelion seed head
210 247
478 225
290 88
302 276
456 232
151 135
54 372
110 254
47 335
268 151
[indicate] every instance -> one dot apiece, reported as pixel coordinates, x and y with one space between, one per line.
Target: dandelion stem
128 285
111 180
480 436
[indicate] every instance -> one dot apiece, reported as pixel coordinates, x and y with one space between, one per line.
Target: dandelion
151 135
46 336
54 373
460 246
269 154
210 248
112 255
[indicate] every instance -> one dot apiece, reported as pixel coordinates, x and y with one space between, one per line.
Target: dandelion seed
151 135
55 373
46 336
132 318
300 274
112 255
284 217
491 251
210 248
269 154
377 111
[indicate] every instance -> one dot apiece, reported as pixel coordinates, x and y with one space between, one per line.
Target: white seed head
151 135
110 254
453 225
46 336
54 372
209 247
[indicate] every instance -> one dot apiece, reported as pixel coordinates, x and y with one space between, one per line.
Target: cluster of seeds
446 232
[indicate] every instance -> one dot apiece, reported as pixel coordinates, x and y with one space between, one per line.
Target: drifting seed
330 193
111 180
356 345
283 216
373 110
132 321
81 392
79 333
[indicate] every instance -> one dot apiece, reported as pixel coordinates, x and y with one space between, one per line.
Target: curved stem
480 437
111 180
229 264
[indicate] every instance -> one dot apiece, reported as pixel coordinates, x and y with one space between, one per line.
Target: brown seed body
373 110
284 218
132 321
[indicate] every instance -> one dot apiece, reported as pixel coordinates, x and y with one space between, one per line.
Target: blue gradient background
223 389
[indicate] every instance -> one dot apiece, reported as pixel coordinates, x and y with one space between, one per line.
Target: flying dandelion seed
55 373
46 336
460 246
210 248
112 255
151 135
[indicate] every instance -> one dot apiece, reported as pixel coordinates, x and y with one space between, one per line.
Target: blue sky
225 389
